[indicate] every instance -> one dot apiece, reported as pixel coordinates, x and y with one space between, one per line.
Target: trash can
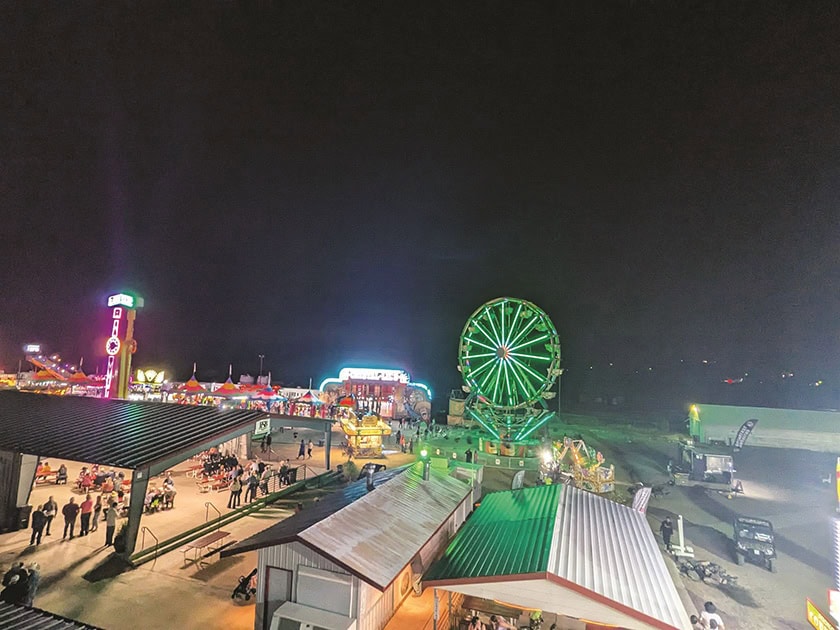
22 520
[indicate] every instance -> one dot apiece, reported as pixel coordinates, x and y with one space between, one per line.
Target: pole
17 378
262 356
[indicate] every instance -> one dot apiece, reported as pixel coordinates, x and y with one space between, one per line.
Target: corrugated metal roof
373 535
13 617
377 536
121 433
599 545
288 529
609 549
509 534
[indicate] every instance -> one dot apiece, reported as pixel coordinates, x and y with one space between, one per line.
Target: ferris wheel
509 358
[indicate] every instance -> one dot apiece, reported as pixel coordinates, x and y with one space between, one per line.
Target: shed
359 553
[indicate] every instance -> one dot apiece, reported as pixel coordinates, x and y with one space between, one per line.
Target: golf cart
706 465
754 542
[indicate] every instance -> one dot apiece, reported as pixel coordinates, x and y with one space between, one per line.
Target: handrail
143 531
207 507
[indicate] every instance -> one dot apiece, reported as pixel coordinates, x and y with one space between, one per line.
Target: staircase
150 553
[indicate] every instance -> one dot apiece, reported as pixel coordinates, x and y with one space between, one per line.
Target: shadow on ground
109 568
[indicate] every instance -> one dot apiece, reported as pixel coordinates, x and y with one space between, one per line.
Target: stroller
247 586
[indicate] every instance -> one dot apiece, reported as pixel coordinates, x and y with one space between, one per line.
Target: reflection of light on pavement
761 492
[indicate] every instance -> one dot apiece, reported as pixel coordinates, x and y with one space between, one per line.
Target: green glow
530 356
530 342
478 343
533 373
525 330
513 323
497 338
477 356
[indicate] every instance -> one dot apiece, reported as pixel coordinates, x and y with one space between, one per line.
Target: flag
743 434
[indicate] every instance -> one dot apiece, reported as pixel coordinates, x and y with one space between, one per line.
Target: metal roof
570 537
121 433
288 529
14 617
377 534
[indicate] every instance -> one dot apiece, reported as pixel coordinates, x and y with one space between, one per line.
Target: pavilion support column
327 443
17 474
139 486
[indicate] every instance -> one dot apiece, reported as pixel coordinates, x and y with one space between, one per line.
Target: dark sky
339 183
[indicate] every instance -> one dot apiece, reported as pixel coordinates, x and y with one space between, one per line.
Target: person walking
302 450
70 512
667 530
97 513
50 510
309 450
38 522
86 509
235 491
110 523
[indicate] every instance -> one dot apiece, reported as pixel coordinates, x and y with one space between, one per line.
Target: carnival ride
571 461
509 358
364 435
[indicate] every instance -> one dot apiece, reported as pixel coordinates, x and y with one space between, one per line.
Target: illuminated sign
123 299
816 618
371 374
150 376
32 348
112 346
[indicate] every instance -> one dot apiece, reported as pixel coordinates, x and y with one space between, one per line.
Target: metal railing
143 531
207 507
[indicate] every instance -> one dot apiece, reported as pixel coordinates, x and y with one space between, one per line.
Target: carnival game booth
358 553
581 559
364 435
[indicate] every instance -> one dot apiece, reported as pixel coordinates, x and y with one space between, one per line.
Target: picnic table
47 477
199 546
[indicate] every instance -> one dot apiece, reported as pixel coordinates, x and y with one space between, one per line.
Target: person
50 510
262 445
169 493
97 512
108 485
17 588
468 456
309 450
70 512
34 570
15 569
235 491
38 522
86 509
302 450
497 623
411 445
667 530
695 622
60 478
110 523
709 617
268 442
475 624
252 485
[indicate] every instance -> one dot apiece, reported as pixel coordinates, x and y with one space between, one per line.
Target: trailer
705 465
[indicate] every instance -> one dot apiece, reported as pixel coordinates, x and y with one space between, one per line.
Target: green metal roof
509 534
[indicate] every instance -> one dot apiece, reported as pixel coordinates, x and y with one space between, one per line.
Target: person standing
235 491
251 491
667 530
302 450
97 513
34 581
710 618
38 522
309 450
110 523
87 511
50 510
70 512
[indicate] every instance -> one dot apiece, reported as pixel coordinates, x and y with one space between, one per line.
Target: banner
743 434
641 499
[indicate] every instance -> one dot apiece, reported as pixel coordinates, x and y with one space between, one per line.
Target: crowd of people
20 584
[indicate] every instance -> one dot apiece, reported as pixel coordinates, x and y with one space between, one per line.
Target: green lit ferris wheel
509 358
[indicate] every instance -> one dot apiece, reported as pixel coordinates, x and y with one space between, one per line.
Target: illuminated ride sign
372 374
120 344
816 618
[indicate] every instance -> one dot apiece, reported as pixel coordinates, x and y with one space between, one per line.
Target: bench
205 542
48 477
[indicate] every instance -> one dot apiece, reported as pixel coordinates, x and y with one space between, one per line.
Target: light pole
261 356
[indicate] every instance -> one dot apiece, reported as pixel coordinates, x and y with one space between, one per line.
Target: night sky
341 183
